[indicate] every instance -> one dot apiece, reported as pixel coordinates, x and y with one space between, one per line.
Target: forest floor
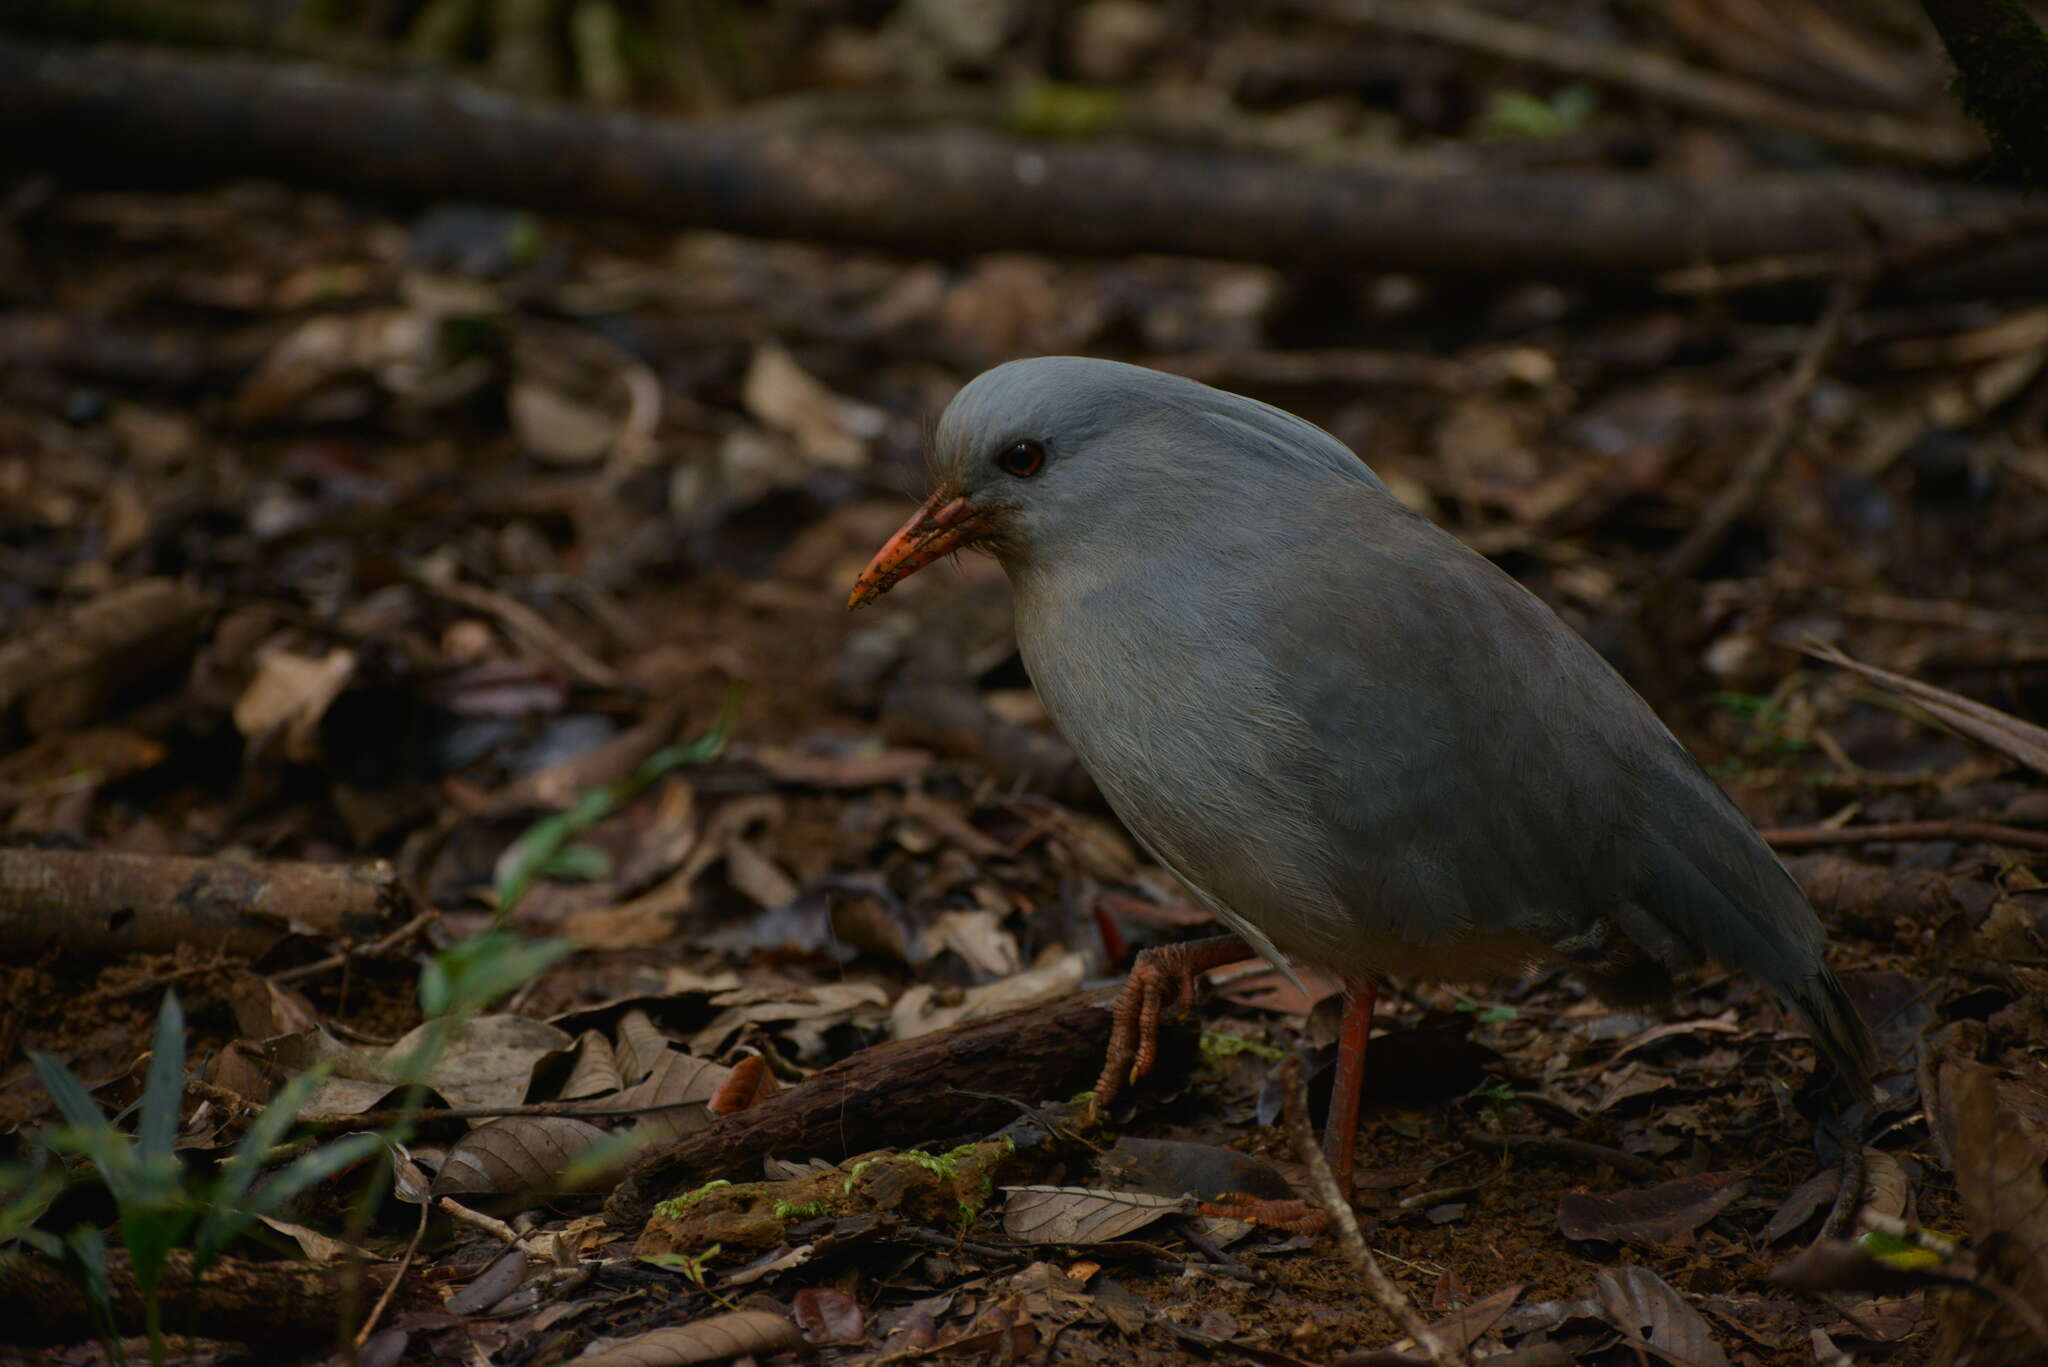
341 532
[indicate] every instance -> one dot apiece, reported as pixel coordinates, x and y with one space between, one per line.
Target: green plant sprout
545 849
159 1203
692 1266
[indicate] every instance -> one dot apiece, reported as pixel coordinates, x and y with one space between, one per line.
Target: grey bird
1365 747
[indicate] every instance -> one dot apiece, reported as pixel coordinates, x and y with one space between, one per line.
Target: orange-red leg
1340 1133
1134 1027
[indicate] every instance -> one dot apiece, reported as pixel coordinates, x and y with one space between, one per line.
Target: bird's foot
1134 1026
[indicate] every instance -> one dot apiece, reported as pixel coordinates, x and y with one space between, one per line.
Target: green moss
1217 1046
800 1210
674 1206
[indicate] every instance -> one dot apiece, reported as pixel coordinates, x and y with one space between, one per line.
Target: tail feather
1836 1026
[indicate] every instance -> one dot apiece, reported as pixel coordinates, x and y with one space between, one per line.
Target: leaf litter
399 557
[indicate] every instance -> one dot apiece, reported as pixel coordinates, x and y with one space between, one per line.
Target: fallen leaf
1806 1201
1081 1215
1649 1215
557 428
516 1154
290 694
1655 1319
742 1333
828 1316
832 430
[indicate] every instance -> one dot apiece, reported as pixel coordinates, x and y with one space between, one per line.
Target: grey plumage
1362 743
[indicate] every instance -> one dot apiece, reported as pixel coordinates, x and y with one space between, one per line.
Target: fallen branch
1928 139
901 1092
270 1303
942 192
91 902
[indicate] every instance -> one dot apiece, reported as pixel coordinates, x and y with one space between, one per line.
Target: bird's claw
1134 1024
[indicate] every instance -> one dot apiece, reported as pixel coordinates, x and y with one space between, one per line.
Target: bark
90 902
234 1300
941 192
2001 58
901 1092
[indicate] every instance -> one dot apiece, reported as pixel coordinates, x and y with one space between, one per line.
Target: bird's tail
1836 1026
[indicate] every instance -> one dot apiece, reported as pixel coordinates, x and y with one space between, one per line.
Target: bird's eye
1024 459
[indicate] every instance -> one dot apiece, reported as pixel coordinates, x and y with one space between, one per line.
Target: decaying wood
237 1300
902 1092
941 192
91 902
73 669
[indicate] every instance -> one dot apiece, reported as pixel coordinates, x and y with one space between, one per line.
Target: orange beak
943 525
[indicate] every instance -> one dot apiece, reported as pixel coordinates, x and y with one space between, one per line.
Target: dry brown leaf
828 1316
756 875
1655 1319
1886 1190
1081 1215
681 1084
641 1045
832 430
2002 731
516 1155
1998 1175
1806 1201
914 1014
979 938
290 694
559 429
318 1247
741 1333
593 1068
1649 1215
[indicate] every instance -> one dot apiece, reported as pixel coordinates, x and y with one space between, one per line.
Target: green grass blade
68 1092
164 1088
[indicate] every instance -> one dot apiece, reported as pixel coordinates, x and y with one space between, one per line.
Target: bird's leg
1340 1132
1134 1028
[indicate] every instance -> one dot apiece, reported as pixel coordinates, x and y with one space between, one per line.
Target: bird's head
1036 460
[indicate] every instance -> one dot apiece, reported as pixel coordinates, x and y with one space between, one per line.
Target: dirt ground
337 530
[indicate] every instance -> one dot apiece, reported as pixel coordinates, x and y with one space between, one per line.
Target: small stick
1382 1288
1850 1194
1747 481
371 950
1987 832
1627 1164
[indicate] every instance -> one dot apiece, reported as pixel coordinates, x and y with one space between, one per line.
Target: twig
1928 246
1627 1164
1988 832
1385 1293
412 1248
1754 472
376 947
1848 1196
1928 140
526 624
